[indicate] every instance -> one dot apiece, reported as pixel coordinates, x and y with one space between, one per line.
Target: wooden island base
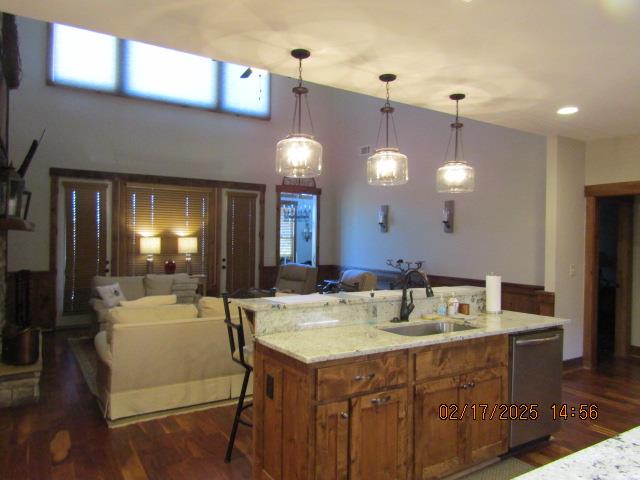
378 416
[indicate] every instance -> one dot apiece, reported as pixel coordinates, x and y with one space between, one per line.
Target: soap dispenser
441 308
453 305
373 310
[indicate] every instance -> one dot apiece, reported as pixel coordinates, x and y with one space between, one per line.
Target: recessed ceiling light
570 110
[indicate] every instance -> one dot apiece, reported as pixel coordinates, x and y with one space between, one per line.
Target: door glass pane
298 228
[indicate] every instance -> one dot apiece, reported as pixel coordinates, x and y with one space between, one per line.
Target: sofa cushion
152 301
111 295
132 287
158 284
152 314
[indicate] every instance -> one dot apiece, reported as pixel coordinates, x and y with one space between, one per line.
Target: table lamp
188 245
150 246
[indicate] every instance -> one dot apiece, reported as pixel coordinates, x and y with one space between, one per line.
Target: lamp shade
387 167
455 177
150 245
188 245
299 156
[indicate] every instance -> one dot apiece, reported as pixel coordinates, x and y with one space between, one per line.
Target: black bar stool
240 355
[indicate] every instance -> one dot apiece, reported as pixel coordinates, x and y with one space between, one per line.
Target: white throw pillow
152 301
111 295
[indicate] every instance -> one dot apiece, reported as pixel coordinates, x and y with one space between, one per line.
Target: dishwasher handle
538 341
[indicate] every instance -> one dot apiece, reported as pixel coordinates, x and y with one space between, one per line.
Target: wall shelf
16 224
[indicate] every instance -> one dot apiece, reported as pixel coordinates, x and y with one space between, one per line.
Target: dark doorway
615 245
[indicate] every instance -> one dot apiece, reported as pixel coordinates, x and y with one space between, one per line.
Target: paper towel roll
494 293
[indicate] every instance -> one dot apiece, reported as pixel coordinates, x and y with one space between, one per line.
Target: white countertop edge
415 343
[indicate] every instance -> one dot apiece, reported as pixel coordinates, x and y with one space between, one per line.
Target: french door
86 241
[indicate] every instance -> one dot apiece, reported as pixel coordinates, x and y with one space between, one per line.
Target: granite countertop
332 343
615 458
345 298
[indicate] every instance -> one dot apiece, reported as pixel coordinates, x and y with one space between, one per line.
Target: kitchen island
349 398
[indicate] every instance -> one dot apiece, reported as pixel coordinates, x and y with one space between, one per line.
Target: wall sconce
447 216
150 246
188 245
383 218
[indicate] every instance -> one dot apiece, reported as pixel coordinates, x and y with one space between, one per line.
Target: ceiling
517 61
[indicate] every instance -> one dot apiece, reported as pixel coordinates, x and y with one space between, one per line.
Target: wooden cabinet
332 441
464 379
439 444
365 438
378 438
487 437
361 376
377 417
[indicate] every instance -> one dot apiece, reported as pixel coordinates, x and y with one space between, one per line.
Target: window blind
85 242
167 212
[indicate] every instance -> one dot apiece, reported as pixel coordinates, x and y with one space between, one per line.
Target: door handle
360 378
538 341
344 415
380 400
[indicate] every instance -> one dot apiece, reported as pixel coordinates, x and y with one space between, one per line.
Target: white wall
500 227
613 160
635 289
91 131
565 231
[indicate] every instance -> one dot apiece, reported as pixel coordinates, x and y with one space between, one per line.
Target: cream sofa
161 358
136 287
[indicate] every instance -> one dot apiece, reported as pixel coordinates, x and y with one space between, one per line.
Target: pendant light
299 155
456 175
387 166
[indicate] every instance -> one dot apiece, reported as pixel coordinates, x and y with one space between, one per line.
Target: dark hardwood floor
65 437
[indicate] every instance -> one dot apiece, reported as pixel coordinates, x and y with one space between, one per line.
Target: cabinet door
378 436
332 441
439 443
487 437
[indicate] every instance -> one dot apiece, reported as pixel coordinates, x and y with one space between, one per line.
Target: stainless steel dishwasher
536 378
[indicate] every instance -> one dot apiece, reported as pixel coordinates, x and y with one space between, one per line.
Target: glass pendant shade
455 177
387 166
299 156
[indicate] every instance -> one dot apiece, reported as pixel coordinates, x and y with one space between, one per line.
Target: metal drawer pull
344 414
468 385
360 378
537 341
380 400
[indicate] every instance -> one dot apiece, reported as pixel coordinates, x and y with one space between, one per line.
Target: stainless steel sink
423 329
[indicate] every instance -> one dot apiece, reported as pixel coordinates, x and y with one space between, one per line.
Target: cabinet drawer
453 359
359 377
